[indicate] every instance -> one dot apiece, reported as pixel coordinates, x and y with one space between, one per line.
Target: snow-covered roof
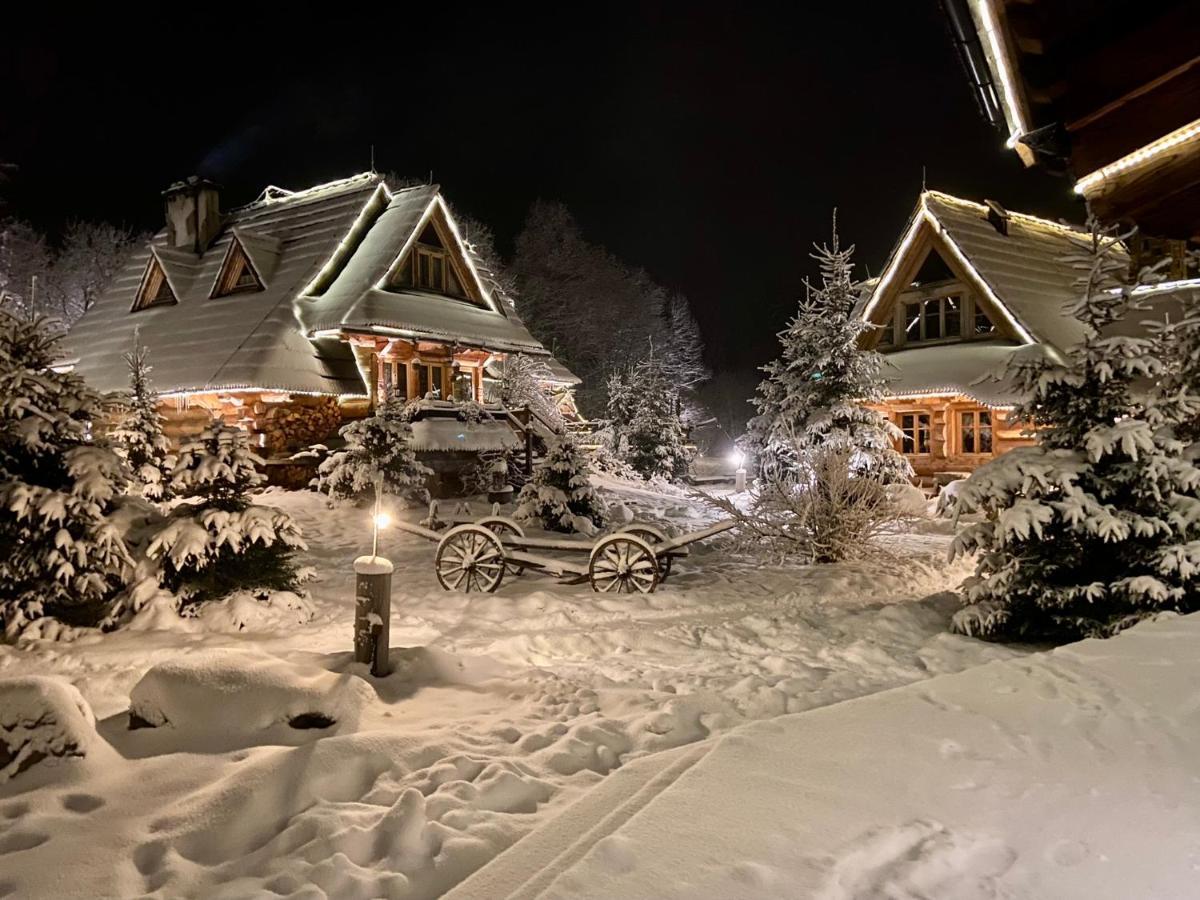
321 254
354 301
451 434
1023 271
243 340
972 369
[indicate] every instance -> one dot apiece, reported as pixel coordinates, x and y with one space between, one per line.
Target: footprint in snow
82 803
16 841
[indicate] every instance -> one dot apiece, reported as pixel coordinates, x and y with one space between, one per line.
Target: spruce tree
814 394
378 446
1095 527
560 490
60 553
217 541
139 436
654 442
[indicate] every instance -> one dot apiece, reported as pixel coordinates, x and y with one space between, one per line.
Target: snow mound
909 499
238 692
41 717
258 612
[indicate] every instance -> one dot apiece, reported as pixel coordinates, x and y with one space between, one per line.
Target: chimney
998 216
193 213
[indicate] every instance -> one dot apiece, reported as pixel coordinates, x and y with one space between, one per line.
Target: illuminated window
976 431
915 429
155 290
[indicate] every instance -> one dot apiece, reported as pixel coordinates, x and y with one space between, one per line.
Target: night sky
706 144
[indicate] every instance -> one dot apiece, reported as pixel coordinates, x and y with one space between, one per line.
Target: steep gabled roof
243 340
1023 272
358 298
322 256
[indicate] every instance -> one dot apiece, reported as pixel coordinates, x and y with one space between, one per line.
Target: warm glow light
1139 156
382 520
738 458
991 33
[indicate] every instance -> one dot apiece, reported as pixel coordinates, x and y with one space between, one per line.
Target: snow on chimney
193 211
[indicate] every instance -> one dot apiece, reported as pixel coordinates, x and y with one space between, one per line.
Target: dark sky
705 143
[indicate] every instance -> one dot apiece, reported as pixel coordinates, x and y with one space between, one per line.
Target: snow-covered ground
1068 774
502 709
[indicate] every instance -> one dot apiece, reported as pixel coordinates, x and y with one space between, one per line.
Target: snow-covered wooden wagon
475 555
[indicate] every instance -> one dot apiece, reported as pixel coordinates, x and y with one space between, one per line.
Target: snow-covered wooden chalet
290 314
966 286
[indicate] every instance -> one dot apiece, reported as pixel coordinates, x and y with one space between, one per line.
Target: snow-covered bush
217 542
560 491
825 511
1098 525
379 446
60 554
41 718
813 395
524 382
139 435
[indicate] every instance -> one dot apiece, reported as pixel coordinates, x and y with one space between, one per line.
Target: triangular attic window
933 269
237 275
155 290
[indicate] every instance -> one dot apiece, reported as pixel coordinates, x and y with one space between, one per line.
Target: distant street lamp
738 458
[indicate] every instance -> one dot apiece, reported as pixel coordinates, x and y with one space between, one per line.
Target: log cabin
967 285
300 310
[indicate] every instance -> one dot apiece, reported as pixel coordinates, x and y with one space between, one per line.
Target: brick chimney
193 211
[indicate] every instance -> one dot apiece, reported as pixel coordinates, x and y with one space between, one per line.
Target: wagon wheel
502 525
652 535
623 564
469 558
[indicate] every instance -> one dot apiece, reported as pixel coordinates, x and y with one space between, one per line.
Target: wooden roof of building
320 255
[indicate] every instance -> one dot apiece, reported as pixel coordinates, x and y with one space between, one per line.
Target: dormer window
429 267
237 275
155 290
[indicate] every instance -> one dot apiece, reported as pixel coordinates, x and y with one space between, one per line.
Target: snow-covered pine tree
217 541
814 394
380 445
560 490
1095 527
139 435
60 553
654 442
1178 340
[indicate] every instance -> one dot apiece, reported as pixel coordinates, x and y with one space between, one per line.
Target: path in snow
506 707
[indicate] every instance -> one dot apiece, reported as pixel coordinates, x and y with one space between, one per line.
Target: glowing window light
1139 157
991 33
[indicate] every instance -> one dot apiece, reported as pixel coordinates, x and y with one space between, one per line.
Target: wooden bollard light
373 602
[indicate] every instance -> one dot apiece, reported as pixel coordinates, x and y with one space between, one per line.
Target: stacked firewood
296 423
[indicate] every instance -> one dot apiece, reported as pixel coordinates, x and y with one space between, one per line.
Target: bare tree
91 256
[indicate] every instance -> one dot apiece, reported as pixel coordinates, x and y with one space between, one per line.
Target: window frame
976 430
917 416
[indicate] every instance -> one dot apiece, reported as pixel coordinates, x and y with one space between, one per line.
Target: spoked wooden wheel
502 525
623 564
469 558
652 535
